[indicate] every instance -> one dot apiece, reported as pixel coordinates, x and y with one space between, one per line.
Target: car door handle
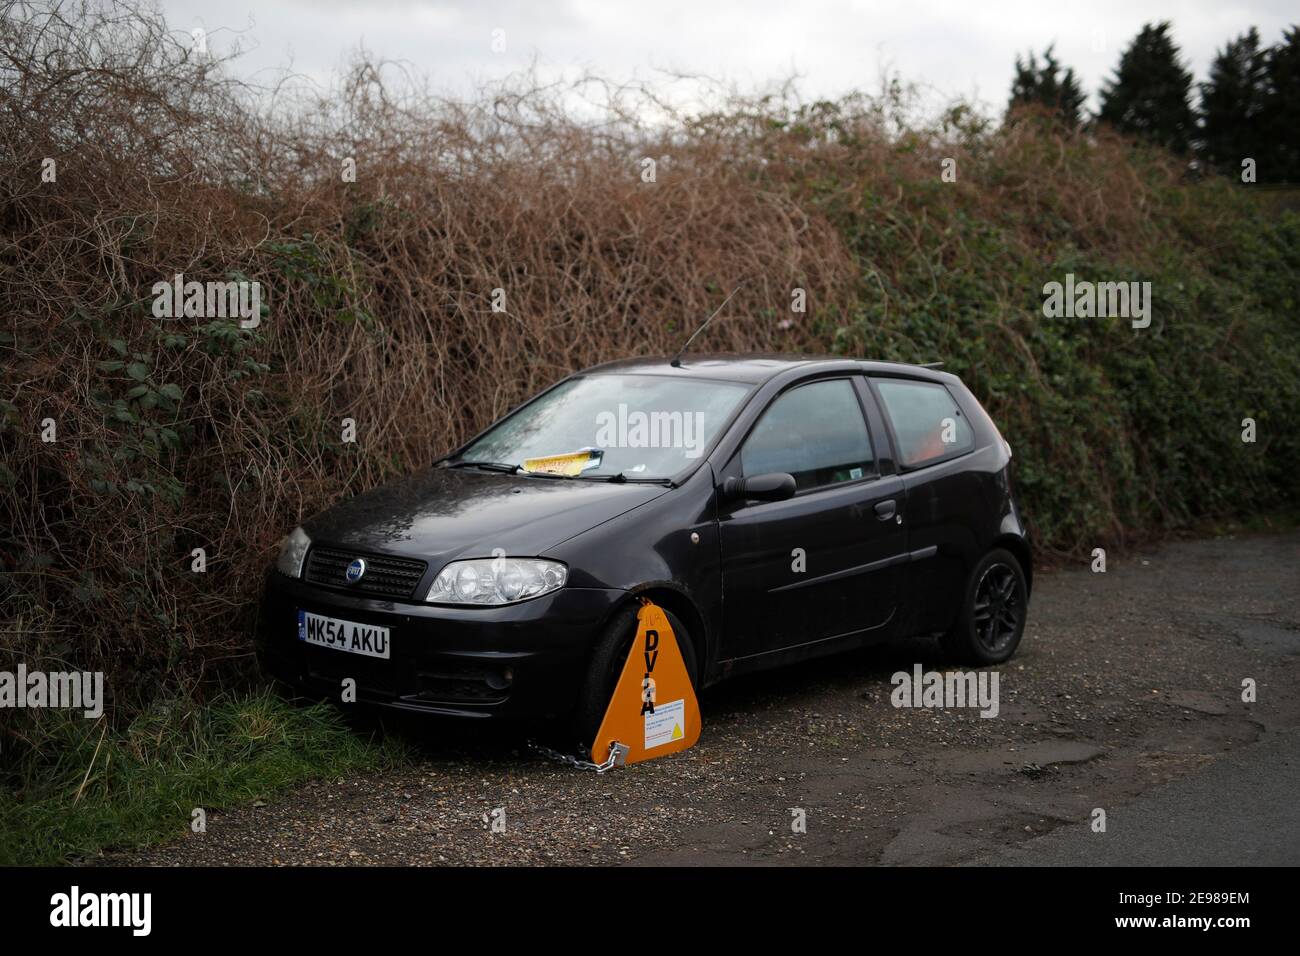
885 509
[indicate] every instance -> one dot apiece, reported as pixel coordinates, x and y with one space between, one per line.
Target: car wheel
607 664
993 613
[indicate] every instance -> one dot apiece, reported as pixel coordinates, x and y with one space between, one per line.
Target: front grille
384 577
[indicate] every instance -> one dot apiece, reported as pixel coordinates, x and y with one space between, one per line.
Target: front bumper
521 660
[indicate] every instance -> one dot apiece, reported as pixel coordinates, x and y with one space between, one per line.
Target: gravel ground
1125 681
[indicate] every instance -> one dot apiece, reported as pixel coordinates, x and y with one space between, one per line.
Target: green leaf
110 366
138 371
172 391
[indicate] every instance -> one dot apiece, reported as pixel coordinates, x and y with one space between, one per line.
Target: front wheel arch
681 605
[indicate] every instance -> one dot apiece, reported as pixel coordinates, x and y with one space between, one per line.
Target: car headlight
496 580
292 553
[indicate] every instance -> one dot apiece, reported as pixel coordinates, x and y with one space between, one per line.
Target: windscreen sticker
570 464
665 724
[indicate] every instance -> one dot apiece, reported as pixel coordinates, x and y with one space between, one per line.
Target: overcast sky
951 48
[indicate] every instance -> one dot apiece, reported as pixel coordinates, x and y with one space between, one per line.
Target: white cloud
950 47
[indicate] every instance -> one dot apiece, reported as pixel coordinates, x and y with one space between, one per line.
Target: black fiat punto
778 508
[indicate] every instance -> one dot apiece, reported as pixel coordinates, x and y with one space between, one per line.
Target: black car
778 508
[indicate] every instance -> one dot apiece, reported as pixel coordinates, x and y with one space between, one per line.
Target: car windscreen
639 426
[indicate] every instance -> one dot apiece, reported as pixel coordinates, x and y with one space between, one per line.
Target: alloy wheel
999 607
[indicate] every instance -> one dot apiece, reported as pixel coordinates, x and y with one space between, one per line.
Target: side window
815 432
928 425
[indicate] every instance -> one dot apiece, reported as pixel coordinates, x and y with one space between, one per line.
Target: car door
824 563
933 438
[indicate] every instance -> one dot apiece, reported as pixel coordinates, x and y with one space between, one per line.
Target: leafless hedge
173 435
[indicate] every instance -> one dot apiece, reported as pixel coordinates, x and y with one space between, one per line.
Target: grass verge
91 788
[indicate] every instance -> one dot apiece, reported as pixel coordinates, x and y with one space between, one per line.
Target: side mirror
774 486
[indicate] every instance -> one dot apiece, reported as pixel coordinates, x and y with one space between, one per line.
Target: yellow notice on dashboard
571 464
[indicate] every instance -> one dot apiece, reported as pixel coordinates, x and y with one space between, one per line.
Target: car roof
757 368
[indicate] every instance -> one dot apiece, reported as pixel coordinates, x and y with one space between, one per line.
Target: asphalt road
1125 696
1239 811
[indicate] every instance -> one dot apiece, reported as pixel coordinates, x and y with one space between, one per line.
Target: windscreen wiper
620 478
486 466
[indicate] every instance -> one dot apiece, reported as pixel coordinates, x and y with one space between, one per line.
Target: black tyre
993 613
607 664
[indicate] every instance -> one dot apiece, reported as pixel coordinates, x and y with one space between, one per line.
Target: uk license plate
369 640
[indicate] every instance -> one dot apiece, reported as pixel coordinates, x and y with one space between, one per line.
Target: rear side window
815 432
928 425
